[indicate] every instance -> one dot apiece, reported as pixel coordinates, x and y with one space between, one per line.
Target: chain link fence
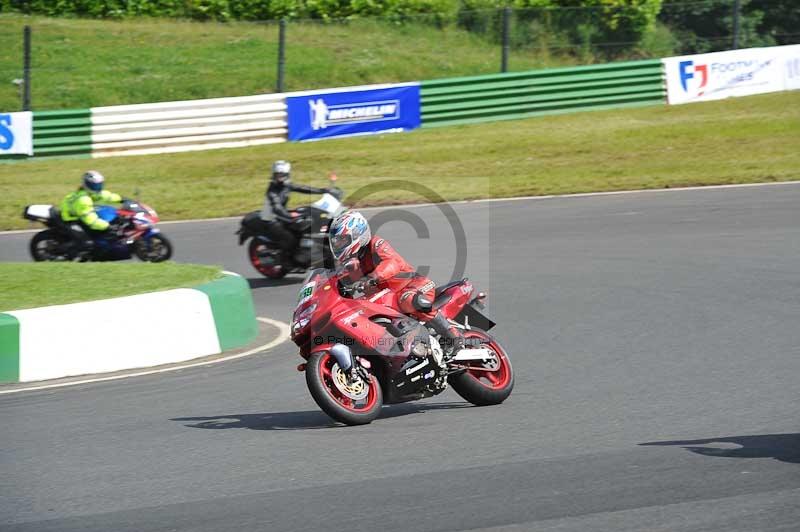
78 63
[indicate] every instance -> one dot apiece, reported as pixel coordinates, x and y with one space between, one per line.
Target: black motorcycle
310 227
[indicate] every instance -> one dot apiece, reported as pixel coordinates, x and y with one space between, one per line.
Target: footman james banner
353 111
703 77
16 133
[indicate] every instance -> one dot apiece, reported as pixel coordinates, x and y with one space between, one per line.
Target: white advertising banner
791 66
703 77
16 133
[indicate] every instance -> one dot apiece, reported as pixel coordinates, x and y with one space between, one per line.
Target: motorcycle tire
254 252
485 385
322 376
43 243
160 249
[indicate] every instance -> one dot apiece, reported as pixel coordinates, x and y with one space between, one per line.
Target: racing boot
451 338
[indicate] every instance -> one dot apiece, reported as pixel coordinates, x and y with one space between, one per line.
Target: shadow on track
782 447
306 420
264 282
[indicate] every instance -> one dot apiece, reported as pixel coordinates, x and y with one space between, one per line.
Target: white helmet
93 180
281 171
348 234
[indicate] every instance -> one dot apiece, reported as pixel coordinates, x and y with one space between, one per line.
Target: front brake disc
355 390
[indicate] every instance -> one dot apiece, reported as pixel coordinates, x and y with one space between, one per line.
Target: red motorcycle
361 352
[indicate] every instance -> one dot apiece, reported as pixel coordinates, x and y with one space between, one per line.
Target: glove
300 220
352 269
116 227
362 285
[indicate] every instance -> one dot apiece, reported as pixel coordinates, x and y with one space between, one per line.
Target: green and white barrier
126 332
150 128
240 121
170 127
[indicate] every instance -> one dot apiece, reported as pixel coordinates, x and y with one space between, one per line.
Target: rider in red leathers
382 267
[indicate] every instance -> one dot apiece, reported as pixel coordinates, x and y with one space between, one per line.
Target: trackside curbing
232 307
127 332
9 348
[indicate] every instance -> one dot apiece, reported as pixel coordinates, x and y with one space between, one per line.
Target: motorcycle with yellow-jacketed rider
94 224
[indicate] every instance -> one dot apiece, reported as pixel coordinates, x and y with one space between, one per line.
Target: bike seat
441 301
440 289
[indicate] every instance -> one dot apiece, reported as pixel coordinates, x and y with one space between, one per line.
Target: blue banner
360 111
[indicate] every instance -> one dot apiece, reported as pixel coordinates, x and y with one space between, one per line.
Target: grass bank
740 140
87 63
31 285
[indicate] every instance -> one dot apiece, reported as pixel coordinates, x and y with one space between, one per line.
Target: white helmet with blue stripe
93 180
349 233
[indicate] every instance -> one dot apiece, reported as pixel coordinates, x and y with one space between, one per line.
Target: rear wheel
356 403
157 248
49 245
485 383
266 259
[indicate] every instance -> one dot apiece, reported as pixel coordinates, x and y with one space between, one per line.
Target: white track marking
491 200
283 335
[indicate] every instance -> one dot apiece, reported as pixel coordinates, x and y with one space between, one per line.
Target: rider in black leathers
280 186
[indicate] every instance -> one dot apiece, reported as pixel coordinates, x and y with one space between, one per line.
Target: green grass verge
41 284
87 63
753 139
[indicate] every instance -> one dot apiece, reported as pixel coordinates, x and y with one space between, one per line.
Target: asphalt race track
656 345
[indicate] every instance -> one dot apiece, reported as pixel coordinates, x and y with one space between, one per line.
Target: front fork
144 236
354 367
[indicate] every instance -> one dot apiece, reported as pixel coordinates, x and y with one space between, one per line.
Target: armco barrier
57 133
177 325
169 127
537 92
253 120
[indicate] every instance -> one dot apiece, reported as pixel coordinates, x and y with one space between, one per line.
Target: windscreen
313 281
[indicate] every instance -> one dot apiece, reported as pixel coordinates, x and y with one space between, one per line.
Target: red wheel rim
326 375
496 379
255 260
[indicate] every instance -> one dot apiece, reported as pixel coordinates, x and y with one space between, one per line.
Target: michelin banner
697 78
16 133
353 111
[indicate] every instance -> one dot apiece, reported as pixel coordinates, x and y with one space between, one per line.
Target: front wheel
352 403
157 248
49 245
485 383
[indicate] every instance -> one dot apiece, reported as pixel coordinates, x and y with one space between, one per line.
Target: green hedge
223 10
564 22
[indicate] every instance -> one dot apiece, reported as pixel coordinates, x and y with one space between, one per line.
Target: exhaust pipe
343 356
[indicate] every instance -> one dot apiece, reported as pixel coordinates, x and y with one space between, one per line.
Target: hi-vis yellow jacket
79 205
